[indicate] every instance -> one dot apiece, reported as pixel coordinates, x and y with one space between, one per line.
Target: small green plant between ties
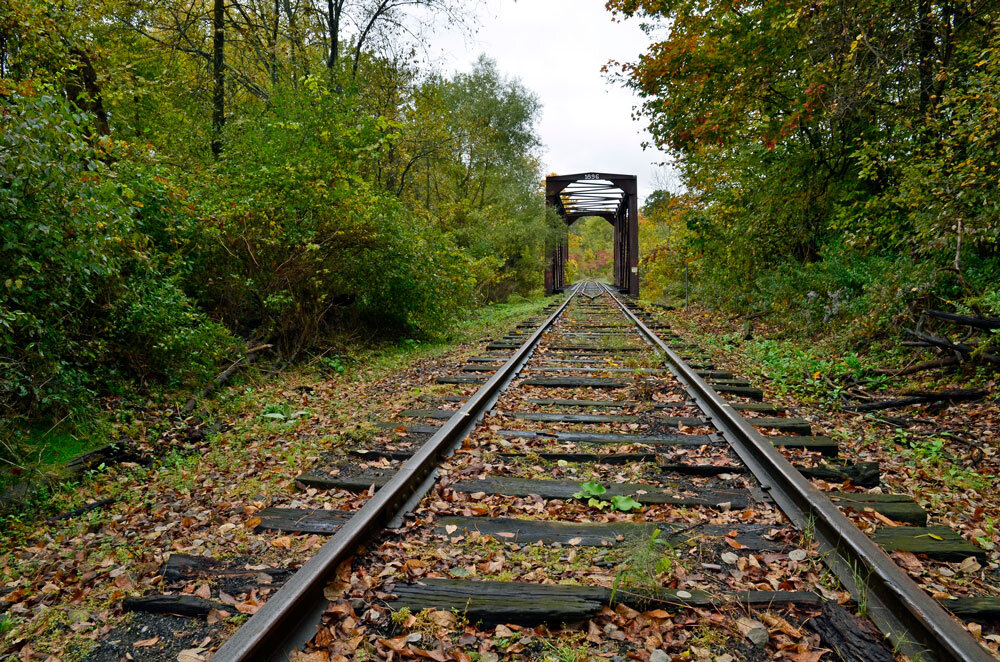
592 491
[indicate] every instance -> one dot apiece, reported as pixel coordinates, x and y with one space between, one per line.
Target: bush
87 298
299 243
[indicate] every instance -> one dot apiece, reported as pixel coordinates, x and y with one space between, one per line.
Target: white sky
557 48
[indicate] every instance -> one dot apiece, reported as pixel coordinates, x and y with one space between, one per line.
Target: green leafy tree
828 145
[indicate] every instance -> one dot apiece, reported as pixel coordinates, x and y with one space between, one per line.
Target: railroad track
583 462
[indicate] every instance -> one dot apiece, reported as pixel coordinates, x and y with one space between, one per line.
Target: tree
218 75
802 129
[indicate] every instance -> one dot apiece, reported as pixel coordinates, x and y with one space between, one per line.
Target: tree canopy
181 178
840 147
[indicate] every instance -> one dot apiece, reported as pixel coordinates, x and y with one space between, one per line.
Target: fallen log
919 367
188 606
855 640
224 377
986 323
81 510
921 398
961 349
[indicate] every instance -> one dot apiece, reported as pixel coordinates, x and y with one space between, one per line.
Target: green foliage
666 244
934 455
591 250
282 412
301 243
467 159
592 491
589 490
647 564
88 296
827 179
375 200
624 503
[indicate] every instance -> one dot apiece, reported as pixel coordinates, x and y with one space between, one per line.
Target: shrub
298 242
86 297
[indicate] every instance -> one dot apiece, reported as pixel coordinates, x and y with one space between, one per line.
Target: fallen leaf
445 619
797 555
216 615
191 655
808 656
247 608
398 644
146 643
311 656
882 518
657 613
969 565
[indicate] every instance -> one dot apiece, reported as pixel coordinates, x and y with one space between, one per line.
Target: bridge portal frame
612 197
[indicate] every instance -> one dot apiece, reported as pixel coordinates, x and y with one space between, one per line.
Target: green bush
299 244
86 298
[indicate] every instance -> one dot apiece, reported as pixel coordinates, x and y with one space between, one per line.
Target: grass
861 584
646 566
58 445
573 648
51 447
708 637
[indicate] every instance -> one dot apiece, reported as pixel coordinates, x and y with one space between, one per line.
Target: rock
754 631
797 555
730 558
489 656
726 657
659 656
503 631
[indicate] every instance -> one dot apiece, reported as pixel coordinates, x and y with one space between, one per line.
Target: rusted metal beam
611 196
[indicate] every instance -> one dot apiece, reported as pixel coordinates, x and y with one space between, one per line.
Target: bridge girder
612 197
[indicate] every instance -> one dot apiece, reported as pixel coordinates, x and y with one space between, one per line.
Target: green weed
645 566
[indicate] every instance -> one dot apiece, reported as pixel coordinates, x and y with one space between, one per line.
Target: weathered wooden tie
524 603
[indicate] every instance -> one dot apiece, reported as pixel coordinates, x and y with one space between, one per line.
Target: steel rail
287 620
914 622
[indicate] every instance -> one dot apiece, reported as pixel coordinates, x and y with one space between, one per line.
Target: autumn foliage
842 148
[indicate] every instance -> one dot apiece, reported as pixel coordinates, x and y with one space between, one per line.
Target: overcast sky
557 48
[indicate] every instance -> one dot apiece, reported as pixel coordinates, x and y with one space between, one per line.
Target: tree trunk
925 46
274 43
84 91
219 76
334 8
